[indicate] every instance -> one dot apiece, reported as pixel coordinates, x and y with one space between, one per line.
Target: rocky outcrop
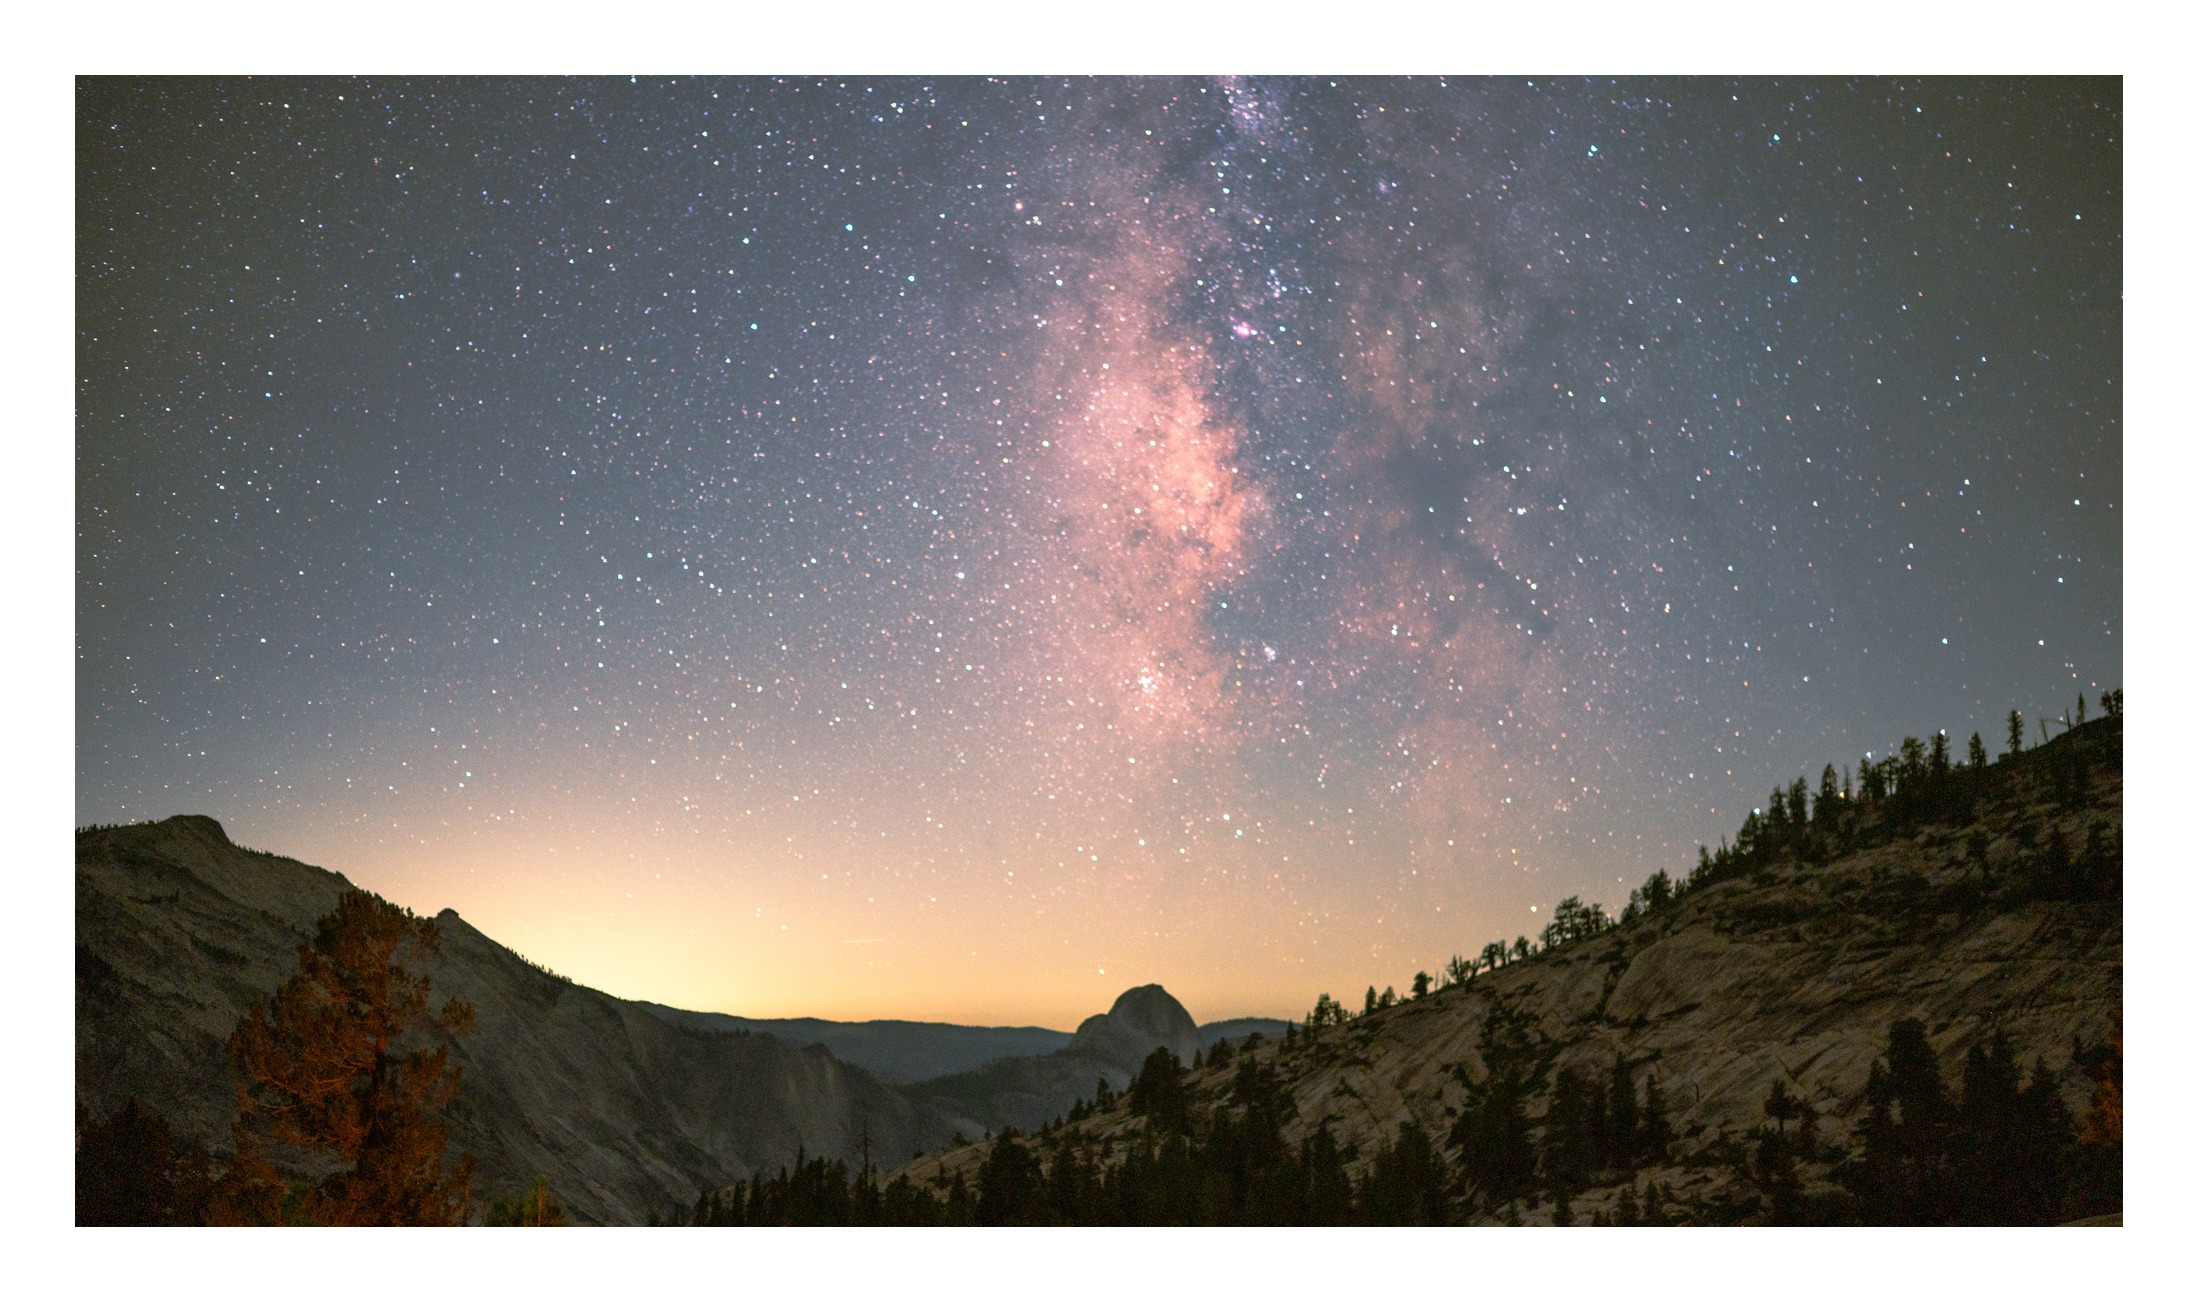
623 1110
1142 1019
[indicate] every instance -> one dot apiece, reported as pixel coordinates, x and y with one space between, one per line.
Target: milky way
958 549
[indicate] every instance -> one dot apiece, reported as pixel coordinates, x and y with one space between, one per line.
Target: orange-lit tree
347 1064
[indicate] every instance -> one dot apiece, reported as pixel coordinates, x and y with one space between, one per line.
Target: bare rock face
1143 1019
178 931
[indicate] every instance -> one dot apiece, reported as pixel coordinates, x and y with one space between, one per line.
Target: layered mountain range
625 1107
1978 905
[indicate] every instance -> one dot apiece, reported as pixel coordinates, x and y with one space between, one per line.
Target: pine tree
1010 1186
1158 1093
1421 983
2014 732
1495 1153
1655 1130
1977 758
339 1064
1903 1177
1623 1122
1774 1167
1405 1186
1571 1141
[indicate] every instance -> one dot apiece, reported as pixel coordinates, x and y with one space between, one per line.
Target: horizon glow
956 550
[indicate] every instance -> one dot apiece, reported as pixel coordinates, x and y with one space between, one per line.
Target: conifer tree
1009 1184
1902 1177
1421 982
1622 1131
347 1062
2014 732
1655 1130
1158 1092
1977 758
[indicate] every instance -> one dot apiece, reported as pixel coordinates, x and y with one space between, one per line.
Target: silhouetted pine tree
1902 1177
1494 1151
1622 1139
1158 1093
1406 1183
1010 1187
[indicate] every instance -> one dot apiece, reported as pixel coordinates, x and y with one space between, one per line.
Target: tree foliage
347 1064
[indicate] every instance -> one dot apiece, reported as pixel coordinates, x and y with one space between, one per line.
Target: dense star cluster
958 548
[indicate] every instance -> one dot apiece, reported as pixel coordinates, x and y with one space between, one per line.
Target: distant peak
1144 999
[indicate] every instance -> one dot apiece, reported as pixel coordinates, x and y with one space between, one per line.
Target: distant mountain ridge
903 1052
624 1106
178 931
891 1049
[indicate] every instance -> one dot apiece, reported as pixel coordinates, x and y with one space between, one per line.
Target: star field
959 548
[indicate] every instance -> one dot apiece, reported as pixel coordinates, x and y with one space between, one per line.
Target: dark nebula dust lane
955 548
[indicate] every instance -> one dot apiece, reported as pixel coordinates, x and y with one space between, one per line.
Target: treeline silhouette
2003 1150
1224 1163
1871 803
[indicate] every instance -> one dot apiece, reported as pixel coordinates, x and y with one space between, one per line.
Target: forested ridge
1899 850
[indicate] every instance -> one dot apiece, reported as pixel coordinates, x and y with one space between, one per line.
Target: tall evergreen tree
1622 1134
1158 1092
348 1063
1406 1184
1902 1177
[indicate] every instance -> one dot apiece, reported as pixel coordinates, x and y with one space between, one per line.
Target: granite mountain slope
1791 972
178 931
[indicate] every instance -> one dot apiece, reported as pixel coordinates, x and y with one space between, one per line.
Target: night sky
957 549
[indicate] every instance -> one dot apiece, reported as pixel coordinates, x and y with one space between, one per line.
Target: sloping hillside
1977 900
178 931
